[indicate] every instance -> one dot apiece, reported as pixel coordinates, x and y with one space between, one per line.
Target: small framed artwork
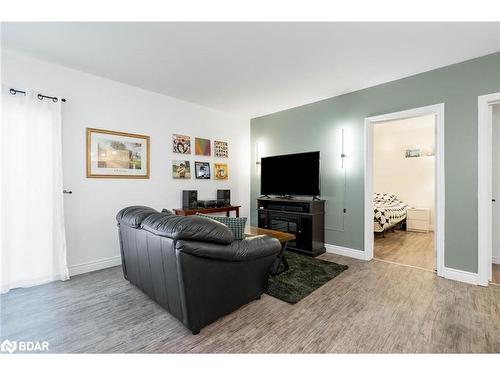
221 149
412 153
202 146
220 171
112 154
202 170
181 144
181 169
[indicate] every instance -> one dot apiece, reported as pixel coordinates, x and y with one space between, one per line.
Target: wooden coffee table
283 238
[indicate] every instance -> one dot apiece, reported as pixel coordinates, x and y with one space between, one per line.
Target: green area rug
305 275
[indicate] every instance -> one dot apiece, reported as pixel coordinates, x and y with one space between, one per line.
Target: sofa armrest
238 251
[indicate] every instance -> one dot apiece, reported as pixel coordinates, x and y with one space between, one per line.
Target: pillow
236 224
165 211
383 197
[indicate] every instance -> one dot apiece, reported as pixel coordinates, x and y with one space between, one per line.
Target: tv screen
294 174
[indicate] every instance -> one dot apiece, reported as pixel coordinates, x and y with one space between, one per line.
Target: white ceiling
253 68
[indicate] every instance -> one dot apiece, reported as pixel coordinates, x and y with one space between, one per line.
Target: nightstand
417 219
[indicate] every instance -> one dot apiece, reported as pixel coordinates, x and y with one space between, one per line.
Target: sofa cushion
187 228
239 251
133 216
236 224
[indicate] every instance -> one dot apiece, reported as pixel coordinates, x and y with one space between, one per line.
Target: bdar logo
8 346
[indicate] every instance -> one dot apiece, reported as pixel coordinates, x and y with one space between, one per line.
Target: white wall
411 179
496 183
93 101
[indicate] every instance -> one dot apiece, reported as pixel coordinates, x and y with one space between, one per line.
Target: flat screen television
293 174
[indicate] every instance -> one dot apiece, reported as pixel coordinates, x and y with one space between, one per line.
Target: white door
496 183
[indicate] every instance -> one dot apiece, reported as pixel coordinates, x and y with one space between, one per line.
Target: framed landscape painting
220 171
112 154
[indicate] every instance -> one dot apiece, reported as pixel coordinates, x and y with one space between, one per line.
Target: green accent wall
317 126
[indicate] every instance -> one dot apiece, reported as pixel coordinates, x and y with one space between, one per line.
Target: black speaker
224 196
189 198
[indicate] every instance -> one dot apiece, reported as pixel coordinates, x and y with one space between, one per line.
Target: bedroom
404 191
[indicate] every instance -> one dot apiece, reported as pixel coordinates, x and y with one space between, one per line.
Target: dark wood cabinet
303 218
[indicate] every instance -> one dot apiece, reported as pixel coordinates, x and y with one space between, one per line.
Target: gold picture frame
221 171
129 152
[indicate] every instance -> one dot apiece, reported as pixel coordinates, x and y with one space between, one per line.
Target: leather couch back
187 228
134 215
165 224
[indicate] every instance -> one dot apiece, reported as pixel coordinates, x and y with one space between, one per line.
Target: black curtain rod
39 96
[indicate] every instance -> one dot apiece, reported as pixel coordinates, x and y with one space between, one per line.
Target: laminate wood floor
409 248
374 306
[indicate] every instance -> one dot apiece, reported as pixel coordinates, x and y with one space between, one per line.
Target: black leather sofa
192 266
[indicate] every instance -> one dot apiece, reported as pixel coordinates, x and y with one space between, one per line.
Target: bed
388 212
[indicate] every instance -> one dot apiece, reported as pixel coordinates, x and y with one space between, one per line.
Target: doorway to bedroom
404 191
405 188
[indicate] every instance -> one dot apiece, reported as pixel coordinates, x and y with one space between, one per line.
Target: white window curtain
33 242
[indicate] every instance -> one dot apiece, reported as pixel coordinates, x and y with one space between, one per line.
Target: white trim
463 276
438 111
484 188
345 251
95 265
495 260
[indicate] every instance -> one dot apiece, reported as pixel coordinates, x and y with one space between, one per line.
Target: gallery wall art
181 169
181 144
112 154
221 171
202 146
221 149
202 170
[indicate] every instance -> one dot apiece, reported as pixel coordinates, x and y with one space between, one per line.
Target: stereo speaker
224 196
189 198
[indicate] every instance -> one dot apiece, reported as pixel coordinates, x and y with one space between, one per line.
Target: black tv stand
285 196
303 218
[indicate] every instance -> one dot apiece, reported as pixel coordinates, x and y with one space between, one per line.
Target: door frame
484 186
439 238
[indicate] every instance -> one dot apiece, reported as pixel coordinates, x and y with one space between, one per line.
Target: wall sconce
343 154
257 158
257 153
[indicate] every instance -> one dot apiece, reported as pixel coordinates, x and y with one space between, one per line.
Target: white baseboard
495 260
345 251
95 265
463 276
